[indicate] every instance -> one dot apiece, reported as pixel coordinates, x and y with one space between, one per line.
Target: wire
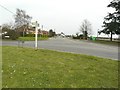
7 9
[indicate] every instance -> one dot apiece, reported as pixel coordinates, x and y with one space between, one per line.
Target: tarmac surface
73 46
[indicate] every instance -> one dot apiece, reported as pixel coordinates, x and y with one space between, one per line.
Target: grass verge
113 43
27 39
27 68
32 38
0 67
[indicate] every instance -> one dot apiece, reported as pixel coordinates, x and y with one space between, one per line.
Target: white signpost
35 24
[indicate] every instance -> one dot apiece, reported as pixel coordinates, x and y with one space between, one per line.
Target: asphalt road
74 46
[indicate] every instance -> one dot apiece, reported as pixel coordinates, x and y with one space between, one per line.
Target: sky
60 15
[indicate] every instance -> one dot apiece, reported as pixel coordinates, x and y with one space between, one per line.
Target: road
74 46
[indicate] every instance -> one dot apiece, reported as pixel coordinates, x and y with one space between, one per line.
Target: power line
7 9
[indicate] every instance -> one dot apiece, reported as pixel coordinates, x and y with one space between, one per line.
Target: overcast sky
61 15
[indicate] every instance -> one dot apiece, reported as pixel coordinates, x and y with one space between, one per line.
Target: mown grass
113 43
27 68
0 67
27 39
31 38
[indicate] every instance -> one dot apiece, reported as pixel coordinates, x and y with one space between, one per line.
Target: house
41 32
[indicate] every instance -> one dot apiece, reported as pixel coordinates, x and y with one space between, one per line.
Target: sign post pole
36 35
35 24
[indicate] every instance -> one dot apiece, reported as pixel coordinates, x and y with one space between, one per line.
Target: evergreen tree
112 20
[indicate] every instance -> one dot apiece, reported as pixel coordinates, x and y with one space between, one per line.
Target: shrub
30 35
79 37
13 34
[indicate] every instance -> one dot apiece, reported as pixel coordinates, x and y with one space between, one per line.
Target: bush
30 35
13 34
75 37
44 35
79 37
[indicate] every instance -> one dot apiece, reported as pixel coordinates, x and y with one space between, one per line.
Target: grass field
32 38
27 68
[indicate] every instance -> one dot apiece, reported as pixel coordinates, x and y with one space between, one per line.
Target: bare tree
86 28
22 20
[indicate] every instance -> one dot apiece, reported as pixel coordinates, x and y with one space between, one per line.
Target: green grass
113 43
27 68
27 39
32 38
7 40
0 67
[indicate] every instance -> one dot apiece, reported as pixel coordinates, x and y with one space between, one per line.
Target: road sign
35 24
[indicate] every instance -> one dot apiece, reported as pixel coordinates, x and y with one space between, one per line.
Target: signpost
35 24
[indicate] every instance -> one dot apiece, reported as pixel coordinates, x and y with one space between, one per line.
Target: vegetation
27 68
9 31
0 67
113 43
112 20
81 36
86 28
22 21
51 33
32 38
13 31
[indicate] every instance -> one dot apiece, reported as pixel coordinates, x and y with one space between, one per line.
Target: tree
112 20
51 33
7 26
77 34
13 34
86 28
22 20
